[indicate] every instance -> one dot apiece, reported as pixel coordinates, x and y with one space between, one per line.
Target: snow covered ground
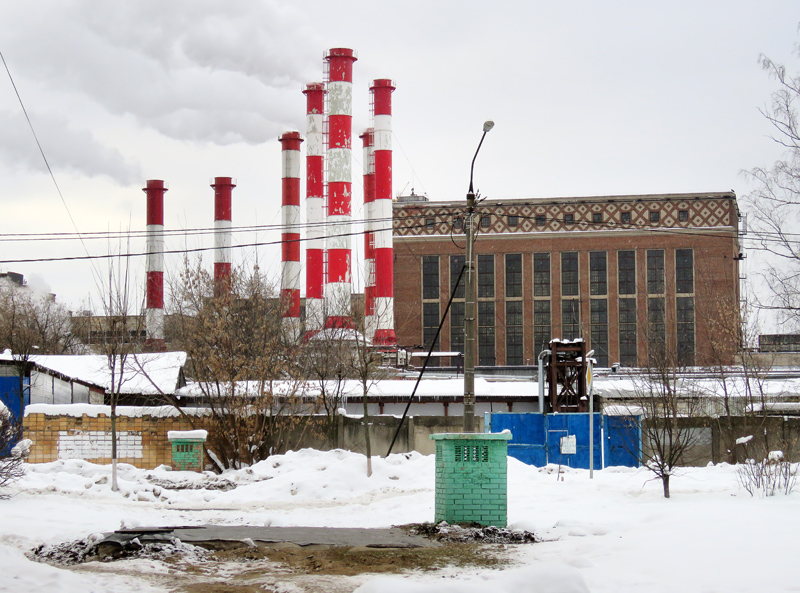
614 533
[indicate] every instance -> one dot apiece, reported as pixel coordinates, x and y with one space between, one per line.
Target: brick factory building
627 273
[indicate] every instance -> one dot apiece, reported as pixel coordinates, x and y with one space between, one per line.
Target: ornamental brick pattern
694 236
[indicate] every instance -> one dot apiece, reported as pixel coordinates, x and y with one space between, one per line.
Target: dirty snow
614 533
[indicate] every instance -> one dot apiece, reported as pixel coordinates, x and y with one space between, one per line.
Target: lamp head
487 125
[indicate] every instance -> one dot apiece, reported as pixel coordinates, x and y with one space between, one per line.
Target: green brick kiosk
471 478
187 449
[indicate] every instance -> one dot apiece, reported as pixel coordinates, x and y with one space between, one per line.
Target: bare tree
32 323
246 373
776 200
116 344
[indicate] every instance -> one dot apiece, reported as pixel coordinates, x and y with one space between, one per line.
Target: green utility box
472 478
187 449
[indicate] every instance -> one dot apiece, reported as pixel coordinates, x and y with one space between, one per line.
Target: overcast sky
589 98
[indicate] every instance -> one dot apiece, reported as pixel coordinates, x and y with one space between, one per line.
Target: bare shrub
772 474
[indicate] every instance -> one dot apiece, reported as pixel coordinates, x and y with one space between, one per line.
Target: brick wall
472 478
142 439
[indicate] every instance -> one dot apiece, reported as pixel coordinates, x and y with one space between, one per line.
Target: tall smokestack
369 234
222 234
315 206
290 236
154 298
339 272
381 90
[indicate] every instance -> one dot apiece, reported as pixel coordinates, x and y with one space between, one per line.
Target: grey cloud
64 146
200 70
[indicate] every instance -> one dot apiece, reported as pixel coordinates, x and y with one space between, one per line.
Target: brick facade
679 282
142 439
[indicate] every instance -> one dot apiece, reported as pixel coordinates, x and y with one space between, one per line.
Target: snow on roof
389 388
144 373
93 410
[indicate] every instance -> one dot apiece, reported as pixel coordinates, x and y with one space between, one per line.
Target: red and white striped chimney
154 298
290 235
369 234
339 271
381 90
315 208
222 234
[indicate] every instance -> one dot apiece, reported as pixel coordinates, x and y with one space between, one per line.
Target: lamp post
469 299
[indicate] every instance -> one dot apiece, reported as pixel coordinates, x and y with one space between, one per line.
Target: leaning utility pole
469 300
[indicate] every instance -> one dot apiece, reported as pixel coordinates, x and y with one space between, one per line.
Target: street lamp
469 300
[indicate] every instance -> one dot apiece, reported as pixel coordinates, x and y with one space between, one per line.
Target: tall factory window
430 277
456 264
514 340
684 271
430 323
541 325
627 332
457 326
626 266
570 319
569 273
486 354
599 326
685 331
541 274
655 271
513 275
486 276
656 331
598 277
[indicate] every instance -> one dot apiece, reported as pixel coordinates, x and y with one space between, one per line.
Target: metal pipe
542 356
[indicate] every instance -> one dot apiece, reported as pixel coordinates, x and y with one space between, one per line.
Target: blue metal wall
537 438
9 395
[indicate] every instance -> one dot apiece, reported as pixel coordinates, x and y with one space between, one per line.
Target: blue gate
539 439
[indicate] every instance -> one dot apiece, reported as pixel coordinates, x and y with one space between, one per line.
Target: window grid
456 263
598 309
541 325
655 271
627 332
486 349
598 273
513 275
541 274
430 277
570 319
514 333
626 272
486 276
685 331
569 274
684 271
